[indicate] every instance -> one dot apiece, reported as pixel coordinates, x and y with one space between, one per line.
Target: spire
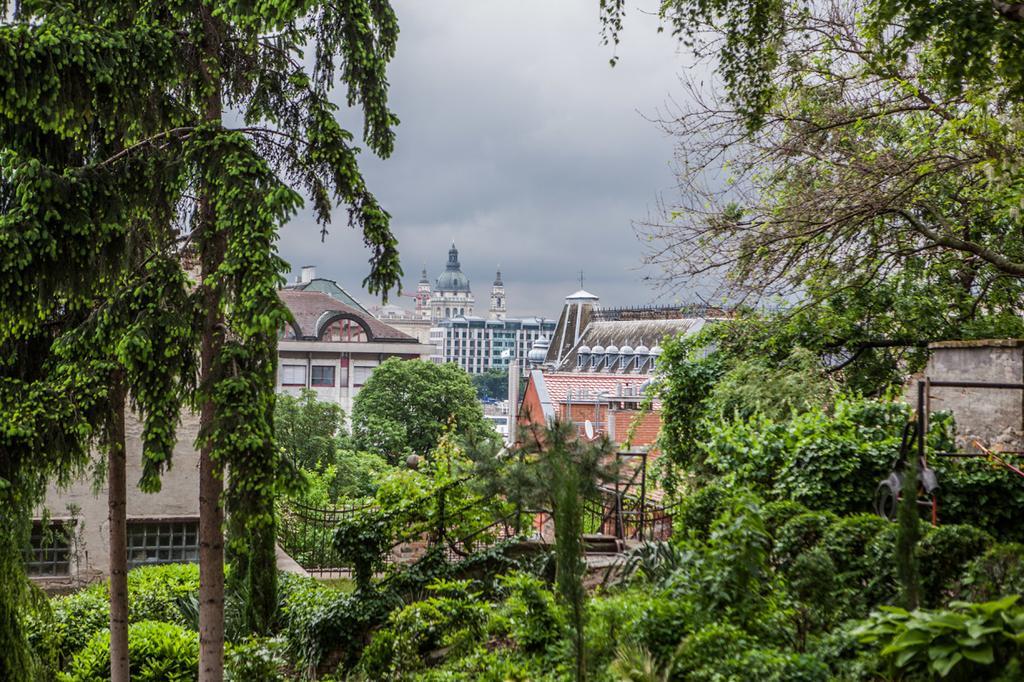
453 258
423 277
497 278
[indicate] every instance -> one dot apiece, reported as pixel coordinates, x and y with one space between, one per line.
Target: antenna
581 279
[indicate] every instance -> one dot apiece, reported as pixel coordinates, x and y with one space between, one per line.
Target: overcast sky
520 143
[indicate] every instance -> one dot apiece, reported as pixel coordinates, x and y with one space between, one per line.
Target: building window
345 330
323 375
360 375
162 542
293 375
50 549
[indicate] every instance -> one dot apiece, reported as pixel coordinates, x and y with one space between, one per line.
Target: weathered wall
993 417
177 499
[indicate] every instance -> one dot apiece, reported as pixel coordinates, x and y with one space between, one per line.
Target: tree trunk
211 472
117 500
211 485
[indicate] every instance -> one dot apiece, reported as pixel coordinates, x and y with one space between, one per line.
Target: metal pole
643 495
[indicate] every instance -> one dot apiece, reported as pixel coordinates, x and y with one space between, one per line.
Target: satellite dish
588 428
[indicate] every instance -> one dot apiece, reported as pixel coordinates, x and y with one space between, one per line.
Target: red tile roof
558 384
308 308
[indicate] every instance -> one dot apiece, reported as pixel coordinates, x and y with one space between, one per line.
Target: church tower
498 307
451 296
423 296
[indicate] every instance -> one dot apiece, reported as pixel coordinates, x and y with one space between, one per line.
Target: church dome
452 278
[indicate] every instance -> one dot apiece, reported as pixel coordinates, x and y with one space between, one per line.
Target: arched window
344 330
286 333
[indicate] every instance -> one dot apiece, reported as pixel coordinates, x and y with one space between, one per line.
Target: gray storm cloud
519 142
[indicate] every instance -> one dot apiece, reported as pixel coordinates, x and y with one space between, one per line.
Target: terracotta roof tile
558 384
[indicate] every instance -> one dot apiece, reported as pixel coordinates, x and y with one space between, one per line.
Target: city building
332 348
479 344
451 295
308 281
595 368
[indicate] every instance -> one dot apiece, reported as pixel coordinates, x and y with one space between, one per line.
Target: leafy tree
866 186
974 42
152 84
492 384
310 431
407 405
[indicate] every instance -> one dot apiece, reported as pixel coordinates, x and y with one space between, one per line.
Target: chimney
308 273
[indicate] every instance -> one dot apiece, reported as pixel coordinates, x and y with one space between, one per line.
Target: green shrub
726 652
943 555
883 585
255 658
71 622
799 535
848 542
452 621
978 494
665 620
158 652
497 665
997 572
778 513
530 611
612 622
706 647
698 510
813 583
837 458
965 642
317 620
153 591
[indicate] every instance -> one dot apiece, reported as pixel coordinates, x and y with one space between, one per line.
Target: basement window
49 551
162 542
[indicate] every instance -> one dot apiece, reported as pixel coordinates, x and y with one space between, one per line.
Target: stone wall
85 503
995 418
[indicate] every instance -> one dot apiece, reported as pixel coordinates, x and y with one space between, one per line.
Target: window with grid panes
162 542
323 375
49 551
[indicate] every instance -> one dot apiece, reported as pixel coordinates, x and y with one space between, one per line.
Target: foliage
942 556
406 406
726 652
698 510
685 377
57 633
799 535
255 658
998 571
636 664
159 652
452 620
773 390
310 431
974 641
113 129
492 384
67 625
153 591
362 541
531 612
651 562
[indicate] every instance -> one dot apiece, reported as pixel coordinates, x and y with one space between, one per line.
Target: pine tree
112 112
554 470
